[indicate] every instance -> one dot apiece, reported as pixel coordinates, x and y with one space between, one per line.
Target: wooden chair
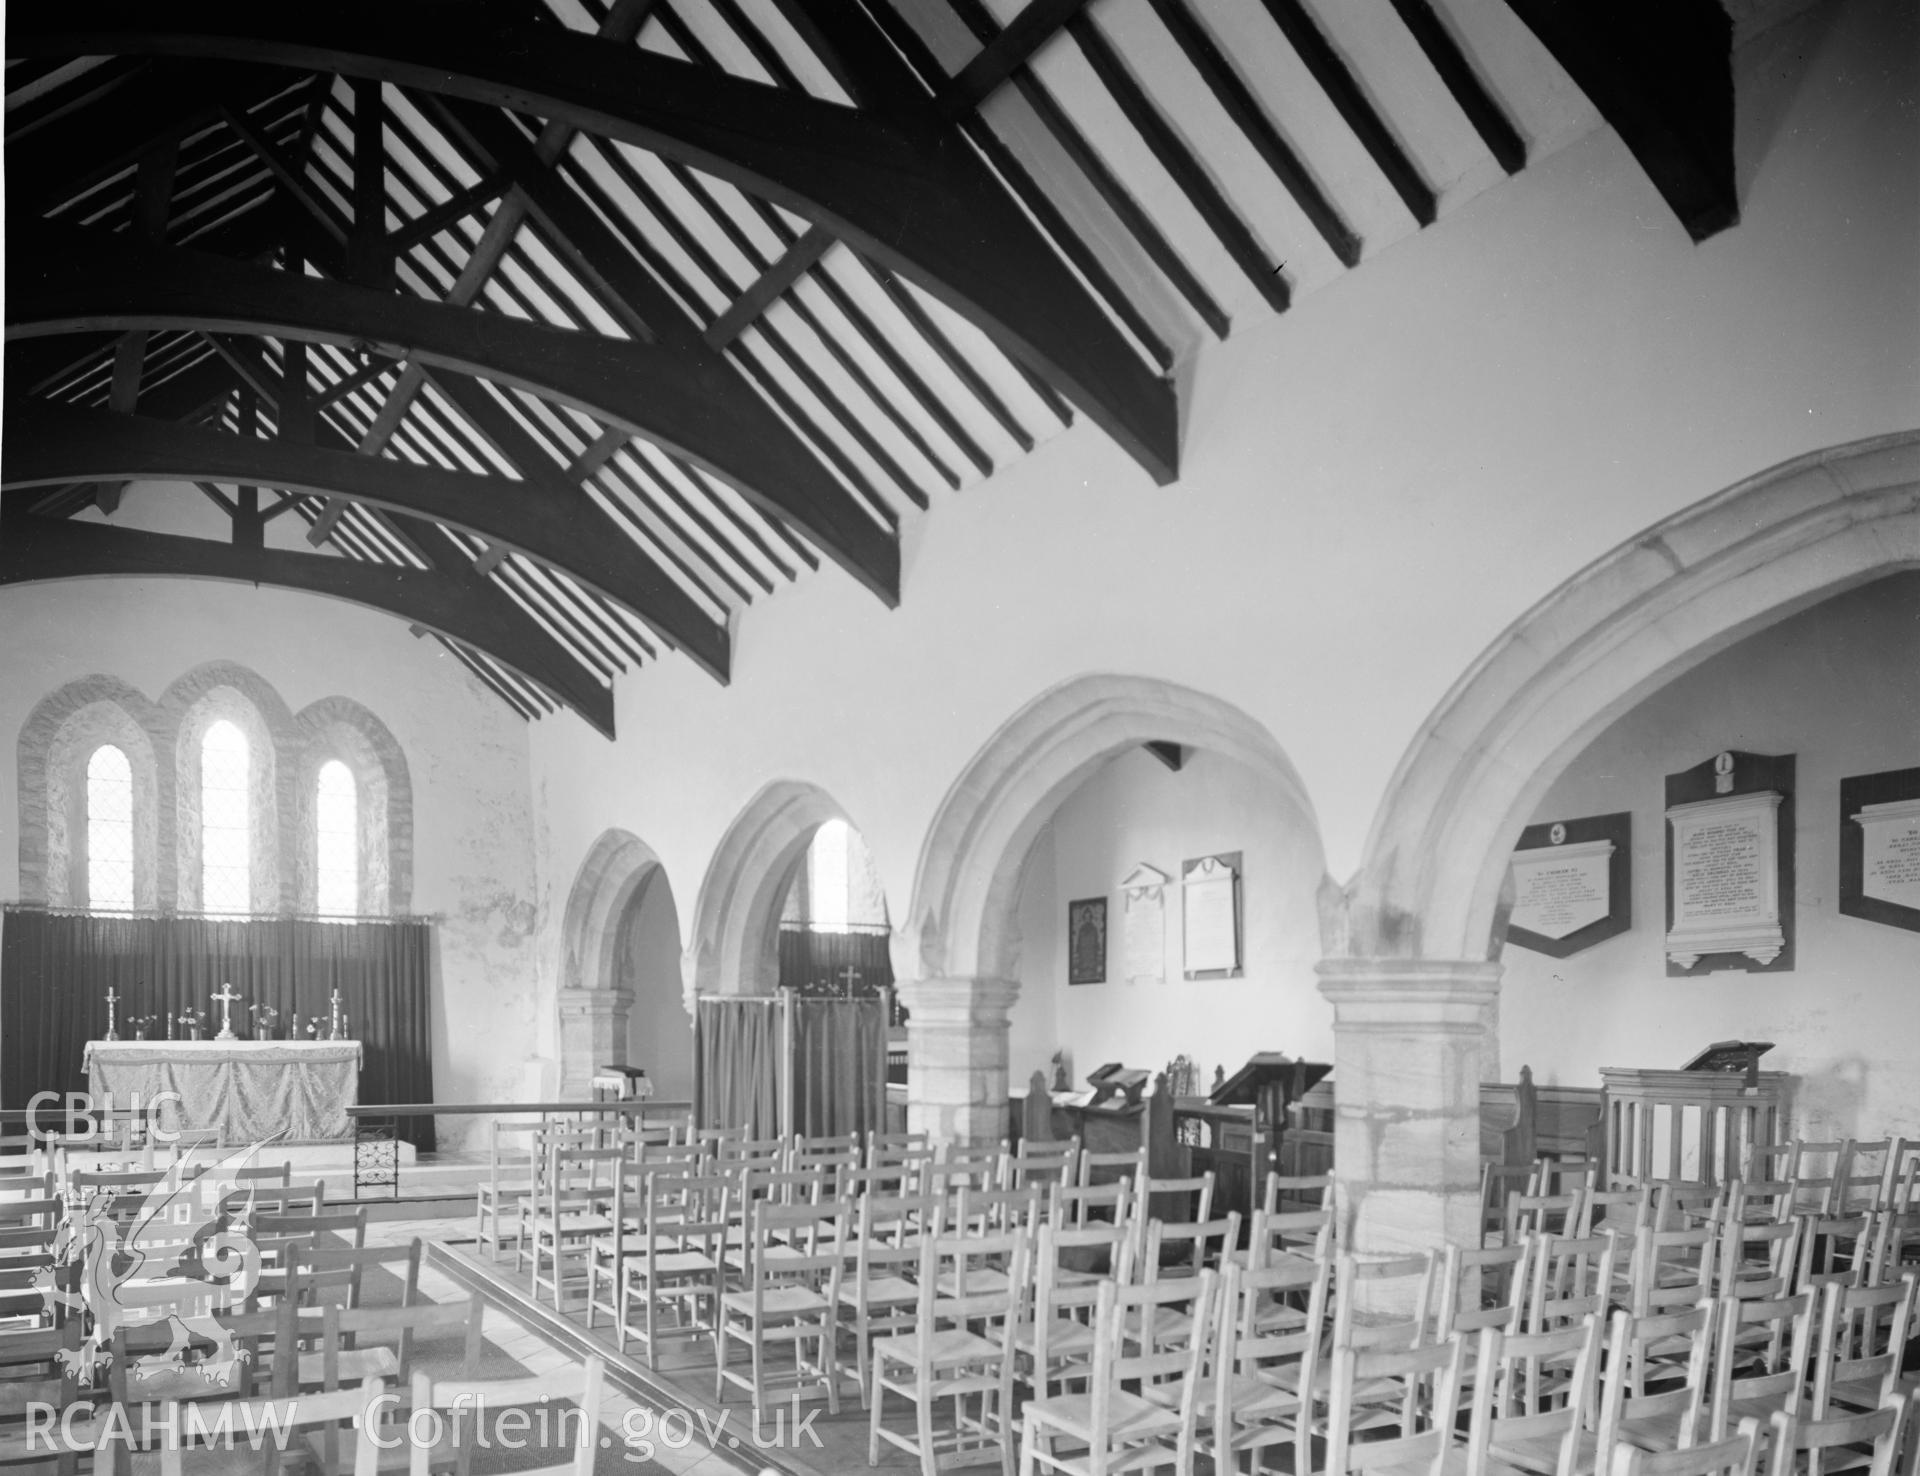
320 1273
1483 1288
1245 1408
1510 1428
239 1456
1759 1260
583 1385
1499 1183
673 1263
1103 1168
509 1180
1543 1214
349 1335
1142 1403
791 1298
1428 1377
1764 1345
575 1205
1667 1418
1042 1163
1881 1431
879 1298
1860 1345
1055 1338
960 1349
1738 1455
1816 1169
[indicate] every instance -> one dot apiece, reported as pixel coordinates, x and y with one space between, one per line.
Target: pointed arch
1626 625
962 922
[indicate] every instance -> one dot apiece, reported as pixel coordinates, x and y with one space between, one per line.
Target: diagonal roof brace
50 445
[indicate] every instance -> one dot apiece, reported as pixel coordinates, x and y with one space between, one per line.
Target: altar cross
849 976
226 996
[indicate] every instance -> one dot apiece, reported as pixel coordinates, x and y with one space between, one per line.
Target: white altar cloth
251 1089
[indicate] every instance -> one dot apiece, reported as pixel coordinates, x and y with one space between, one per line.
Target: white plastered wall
466 754
1839 687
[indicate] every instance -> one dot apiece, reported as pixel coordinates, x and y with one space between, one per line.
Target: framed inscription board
1210 916
1880 848
1572 884
1730 865
1087 941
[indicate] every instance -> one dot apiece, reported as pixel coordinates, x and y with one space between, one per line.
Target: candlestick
112 1000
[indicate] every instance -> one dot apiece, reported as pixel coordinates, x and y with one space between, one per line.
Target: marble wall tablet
1880 847
1572 884
1730 865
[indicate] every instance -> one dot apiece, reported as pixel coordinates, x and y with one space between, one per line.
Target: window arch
109 830
57 746
226 819
336 841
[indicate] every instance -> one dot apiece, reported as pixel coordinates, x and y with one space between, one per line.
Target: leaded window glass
109 830
225 820
337 821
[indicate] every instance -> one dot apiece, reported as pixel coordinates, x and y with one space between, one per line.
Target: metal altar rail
376 1127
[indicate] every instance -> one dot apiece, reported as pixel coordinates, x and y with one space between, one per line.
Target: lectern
1697 1125
1270 1082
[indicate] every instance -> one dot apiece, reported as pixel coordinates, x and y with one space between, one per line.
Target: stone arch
962 924
736 944
340 728
58 738
197 700
593 1005
1690 586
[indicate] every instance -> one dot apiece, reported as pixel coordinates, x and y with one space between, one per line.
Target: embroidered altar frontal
249 1089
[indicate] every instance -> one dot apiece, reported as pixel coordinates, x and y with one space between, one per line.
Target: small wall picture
1087 941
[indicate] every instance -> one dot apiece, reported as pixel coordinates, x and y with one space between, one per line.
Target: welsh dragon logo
181 1249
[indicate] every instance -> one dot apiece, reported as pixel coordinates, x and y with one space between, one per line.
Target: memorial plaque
1211 913
1890 852
1143 925
1726 895
1880 847
1572 884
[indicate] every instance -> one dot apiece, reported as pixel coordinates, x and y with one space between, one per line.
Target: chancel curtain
56 969
736 1064
840 1066
815 963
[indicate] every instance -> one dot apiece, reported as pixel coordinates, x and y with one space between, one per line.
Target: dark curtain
56 969
840 1066
815 964
736 1062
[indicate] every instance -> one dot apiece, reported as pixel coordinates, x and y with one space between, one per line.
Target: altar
250 1089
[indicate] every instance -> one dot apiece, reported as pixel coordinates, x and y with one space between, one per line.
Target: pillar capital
979 999
1401 994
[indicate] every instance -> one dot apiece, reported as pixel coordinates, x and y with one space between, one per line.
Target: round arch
962 922
736 921
340 728
593 1004
1754 554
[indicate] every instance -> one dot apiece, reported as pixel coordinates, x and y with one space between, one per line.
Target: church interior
1098 735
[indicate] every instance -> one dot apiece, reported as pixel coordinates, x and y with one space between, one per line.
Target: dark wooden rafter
1187 172
1078 148
899 184
64 281
38 549
1661 72
1343 90
47 444
794 262
1237 100
1444 54
1037 23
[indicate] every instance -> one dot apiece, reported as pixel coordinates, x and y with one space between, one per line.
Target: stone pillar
593 1033
957 1057
1409 1035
